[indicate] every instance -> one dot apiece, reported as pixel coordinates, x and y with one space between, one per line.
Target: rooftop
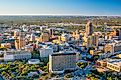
115 61
64 53
15 52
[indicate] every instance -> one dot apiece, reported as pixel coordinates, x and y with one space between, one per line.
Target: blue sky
61 7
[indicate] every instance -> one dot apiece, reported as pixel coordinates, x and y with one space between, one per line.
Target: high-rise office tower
89 28
51 31
95 38
62 61
119 34
89 41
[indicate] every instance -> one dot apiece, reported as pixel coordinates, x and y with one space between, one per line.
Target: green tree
69 75
52 74
3 73
82 64
35 54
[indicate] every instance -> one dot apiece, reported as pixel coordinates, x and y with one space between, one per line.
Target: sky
60 7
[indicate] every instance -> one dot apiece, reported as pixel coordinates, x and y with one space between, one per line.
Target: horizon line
53 15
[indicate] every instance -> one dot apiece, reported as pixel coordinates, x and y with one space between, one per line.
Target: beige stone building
44 37
114 64
20 40
112 47
108 48
20 43
102 63
16 33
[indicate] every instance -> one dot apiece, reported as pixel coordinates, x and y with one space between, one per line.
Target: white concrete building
14 55
45 52
33 61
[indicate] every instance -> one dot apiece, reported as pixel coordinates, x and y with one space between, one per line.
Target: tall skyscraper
16 33
89 41
89 28
20 41
51 31
95 38
62 61
119 34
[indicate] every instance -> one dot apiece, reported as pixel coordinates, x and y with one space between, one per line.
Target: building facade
112 48
114 64
95 39
89 28
16 55
44 37
62 61
20 41
45 52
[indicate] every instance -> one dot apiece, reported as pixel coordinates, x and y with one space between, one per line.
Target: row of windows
22 56
114 67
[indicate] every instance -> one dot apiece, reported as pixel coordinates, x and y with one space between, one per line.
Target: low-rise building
119 55
44 37
102 63
112 47
6 45
34 61
95 52
29 48
14 55
114 64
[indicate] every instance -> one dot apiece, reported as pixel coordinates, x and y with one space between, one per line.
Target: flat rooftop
15 52
115 61
64 53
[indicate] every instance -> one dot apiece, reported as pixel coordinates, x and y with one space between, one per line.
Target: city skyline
61 7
